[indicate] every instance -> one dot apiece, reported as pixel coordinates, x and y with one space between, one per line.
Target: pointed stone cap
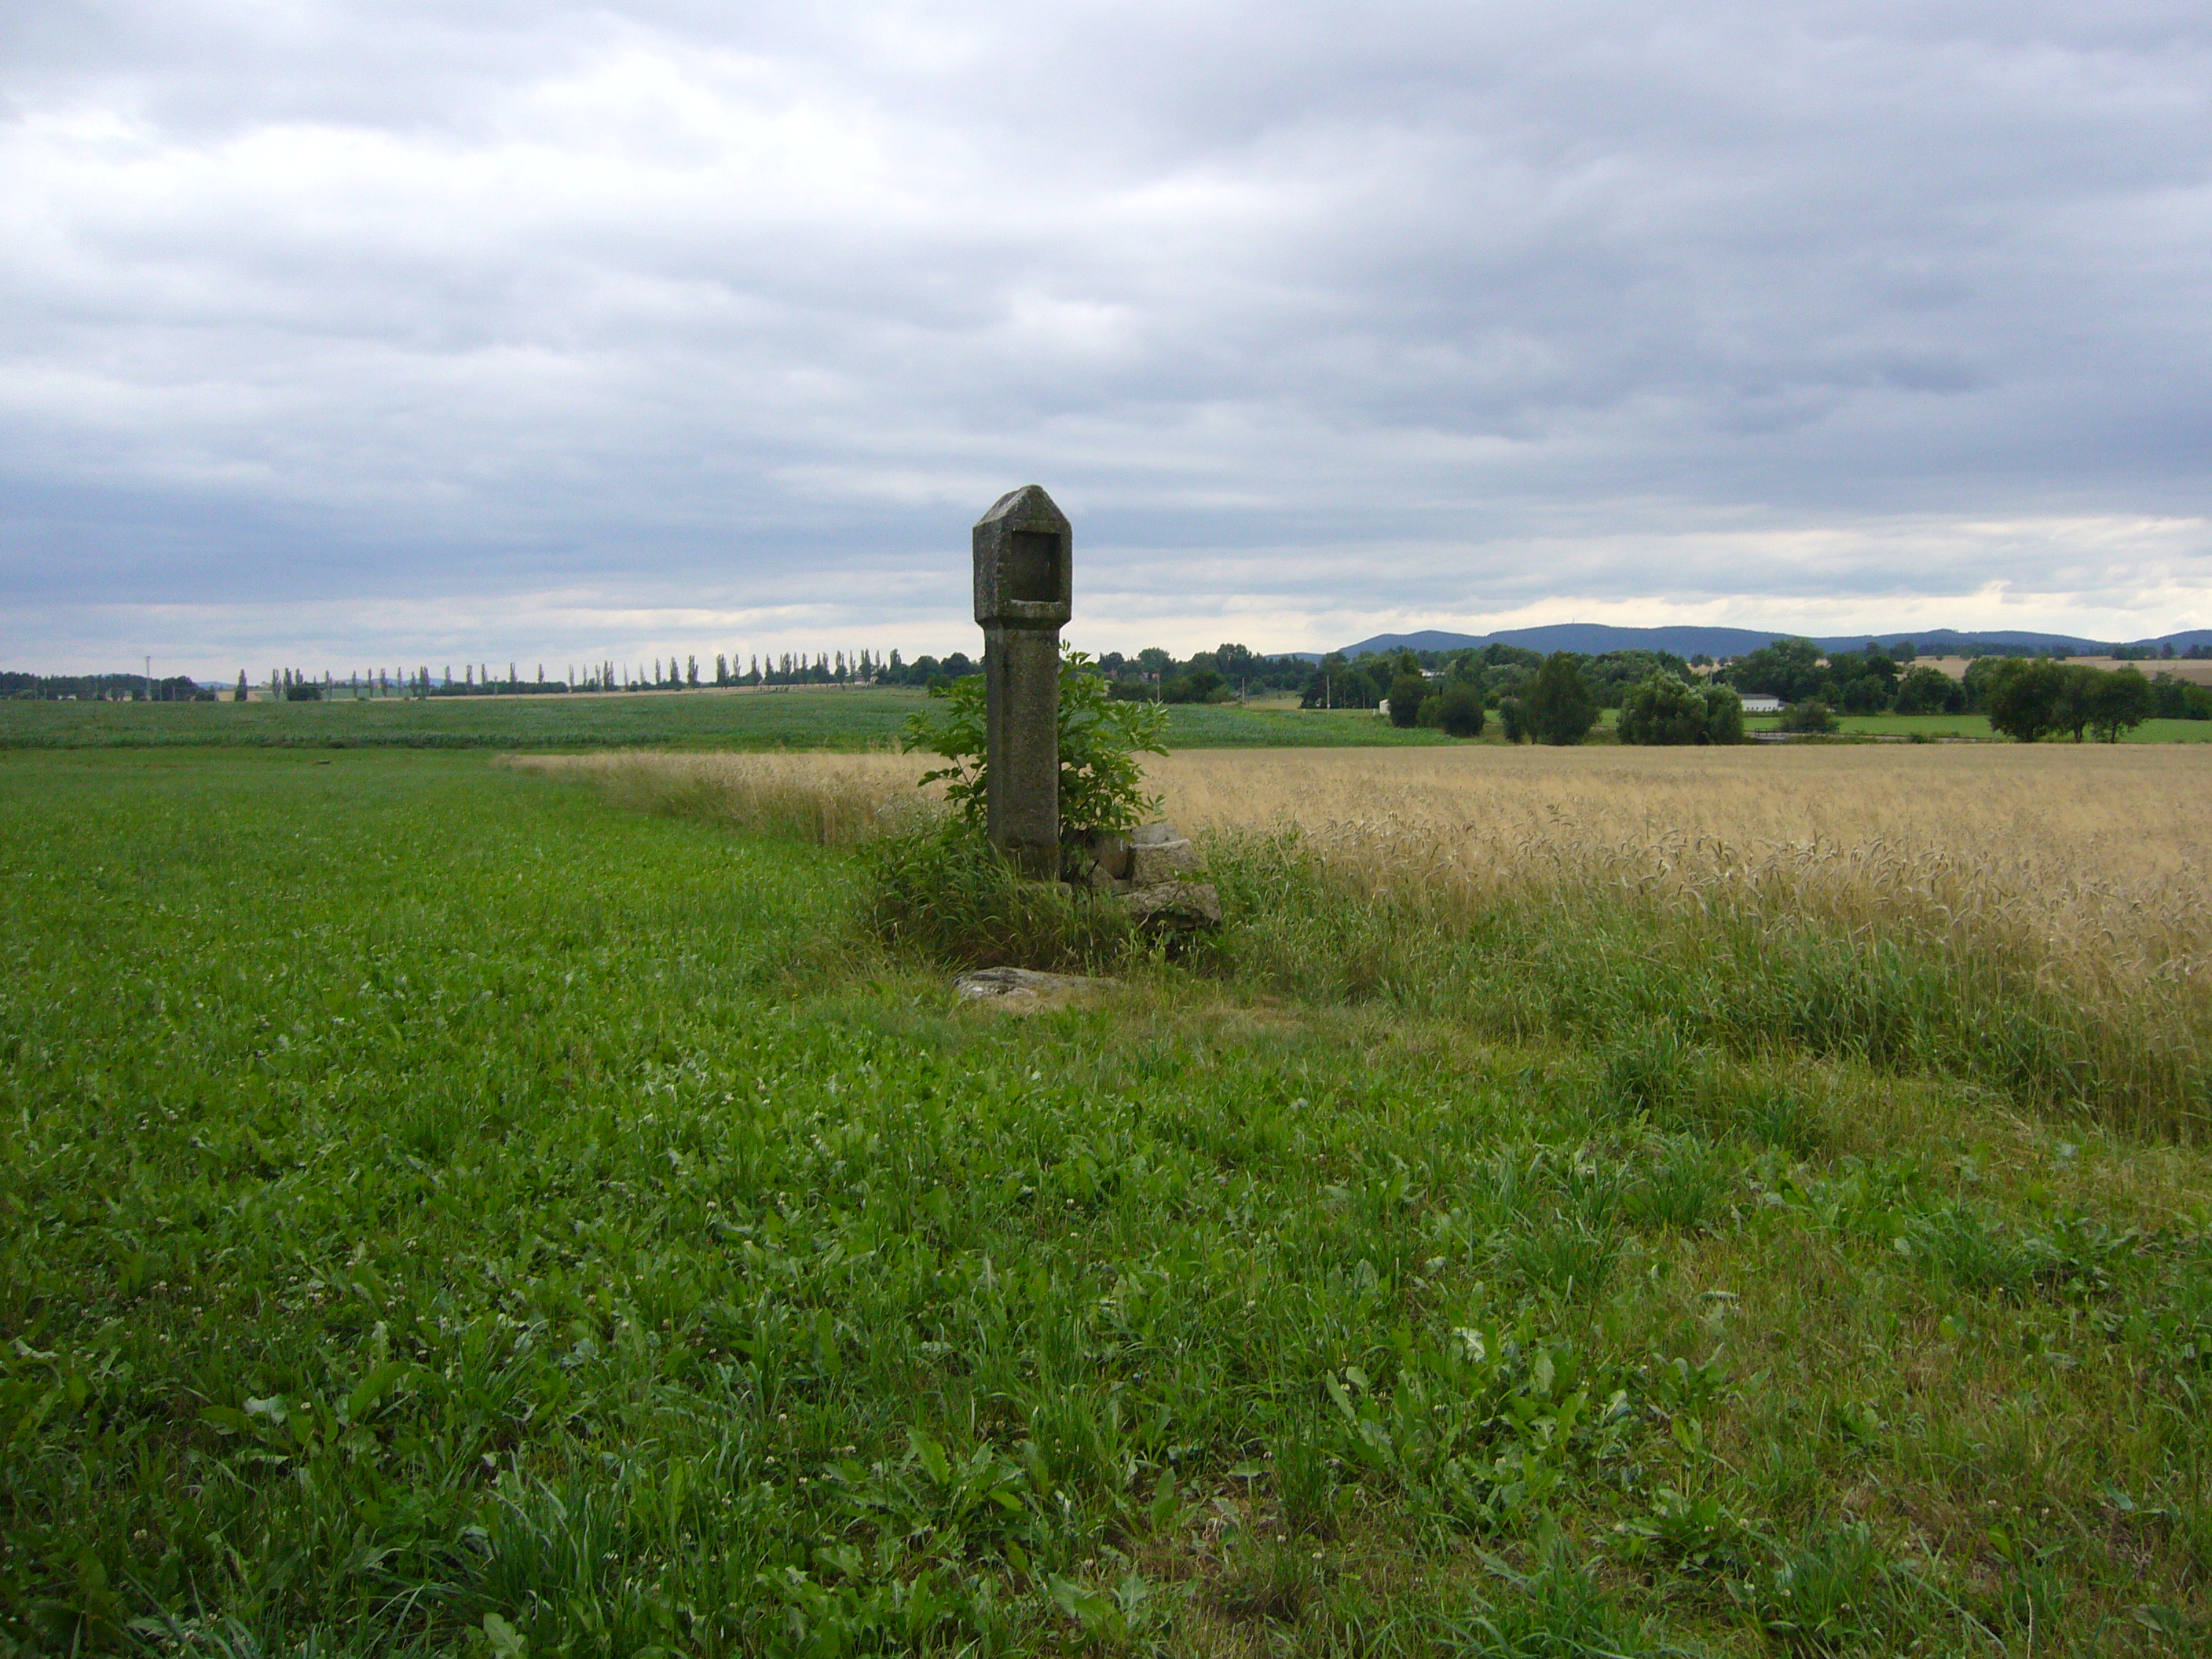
1024 561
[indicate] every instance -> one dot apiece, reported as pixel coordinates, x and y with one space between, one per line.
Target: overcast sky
420 332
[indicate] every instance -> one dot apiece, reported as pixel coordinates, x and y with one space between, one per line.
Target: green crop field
442 1212
1977 726
805 719
1925 727
1225 726
801 719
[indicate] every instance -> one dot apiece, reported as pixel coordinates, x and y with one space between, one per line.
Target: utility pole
149 677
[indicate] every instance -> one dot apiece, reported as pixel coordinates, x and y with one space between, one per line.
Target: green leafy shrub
1723 714
1926 690
1460 711
1102 785
2119 702
1408 692
1200 685
2025 697
944 890
1557 707
1663 709
1811 717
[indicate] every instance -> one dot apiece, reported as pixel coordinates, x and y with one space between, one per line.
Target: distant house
1758 703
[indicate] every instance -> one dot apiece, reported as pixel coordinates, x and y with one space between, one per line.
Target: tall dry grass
2099 857
2037 920
2094 858
830 800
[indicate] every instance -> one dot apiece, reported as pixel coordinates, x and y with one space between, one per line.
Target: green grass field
805 719
810 718
1225 726
444 1213
1977 727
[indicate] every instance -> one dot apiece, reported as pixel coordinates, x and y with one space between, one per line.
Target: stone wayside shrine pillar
1024 592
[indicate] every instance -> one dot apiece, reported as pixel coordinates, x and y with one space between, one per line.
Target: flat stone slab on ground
1025 990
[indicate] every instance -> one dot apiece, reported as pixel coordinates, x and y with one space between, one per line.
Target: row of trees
1560 698
2025 698
102 688
1221 675
1458 691
671 673
1873 681
1498 673
1559 705
2030 698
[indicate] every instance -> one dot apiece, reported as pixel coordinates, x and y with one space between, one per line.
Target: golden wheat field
2196 670
2095 854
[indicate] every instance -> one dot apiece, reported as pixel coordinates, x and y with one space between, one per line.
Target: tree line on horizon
1534 695
103 688
1664 698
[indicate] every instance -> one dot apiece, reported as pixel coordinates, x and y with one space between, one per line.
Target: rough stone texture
1158 861
1023 551
1021 689
1162 889
1179 905
1024 991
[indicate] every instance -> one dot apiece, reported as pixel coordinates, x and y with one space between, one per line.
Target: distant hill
1595 638
1942 641
1591 638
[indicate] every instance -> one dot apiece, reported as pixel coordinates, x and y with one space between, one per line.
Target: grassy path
438 1214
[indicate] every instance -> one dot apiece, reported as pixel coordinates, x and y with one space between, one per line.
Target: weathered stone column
1024 589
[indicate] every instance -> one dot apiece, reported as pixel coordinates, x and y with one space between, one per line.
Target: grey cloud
1330 309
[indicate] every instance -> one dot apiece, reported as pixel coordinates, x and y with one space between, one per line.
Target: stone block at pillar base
1152 862
1176 906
